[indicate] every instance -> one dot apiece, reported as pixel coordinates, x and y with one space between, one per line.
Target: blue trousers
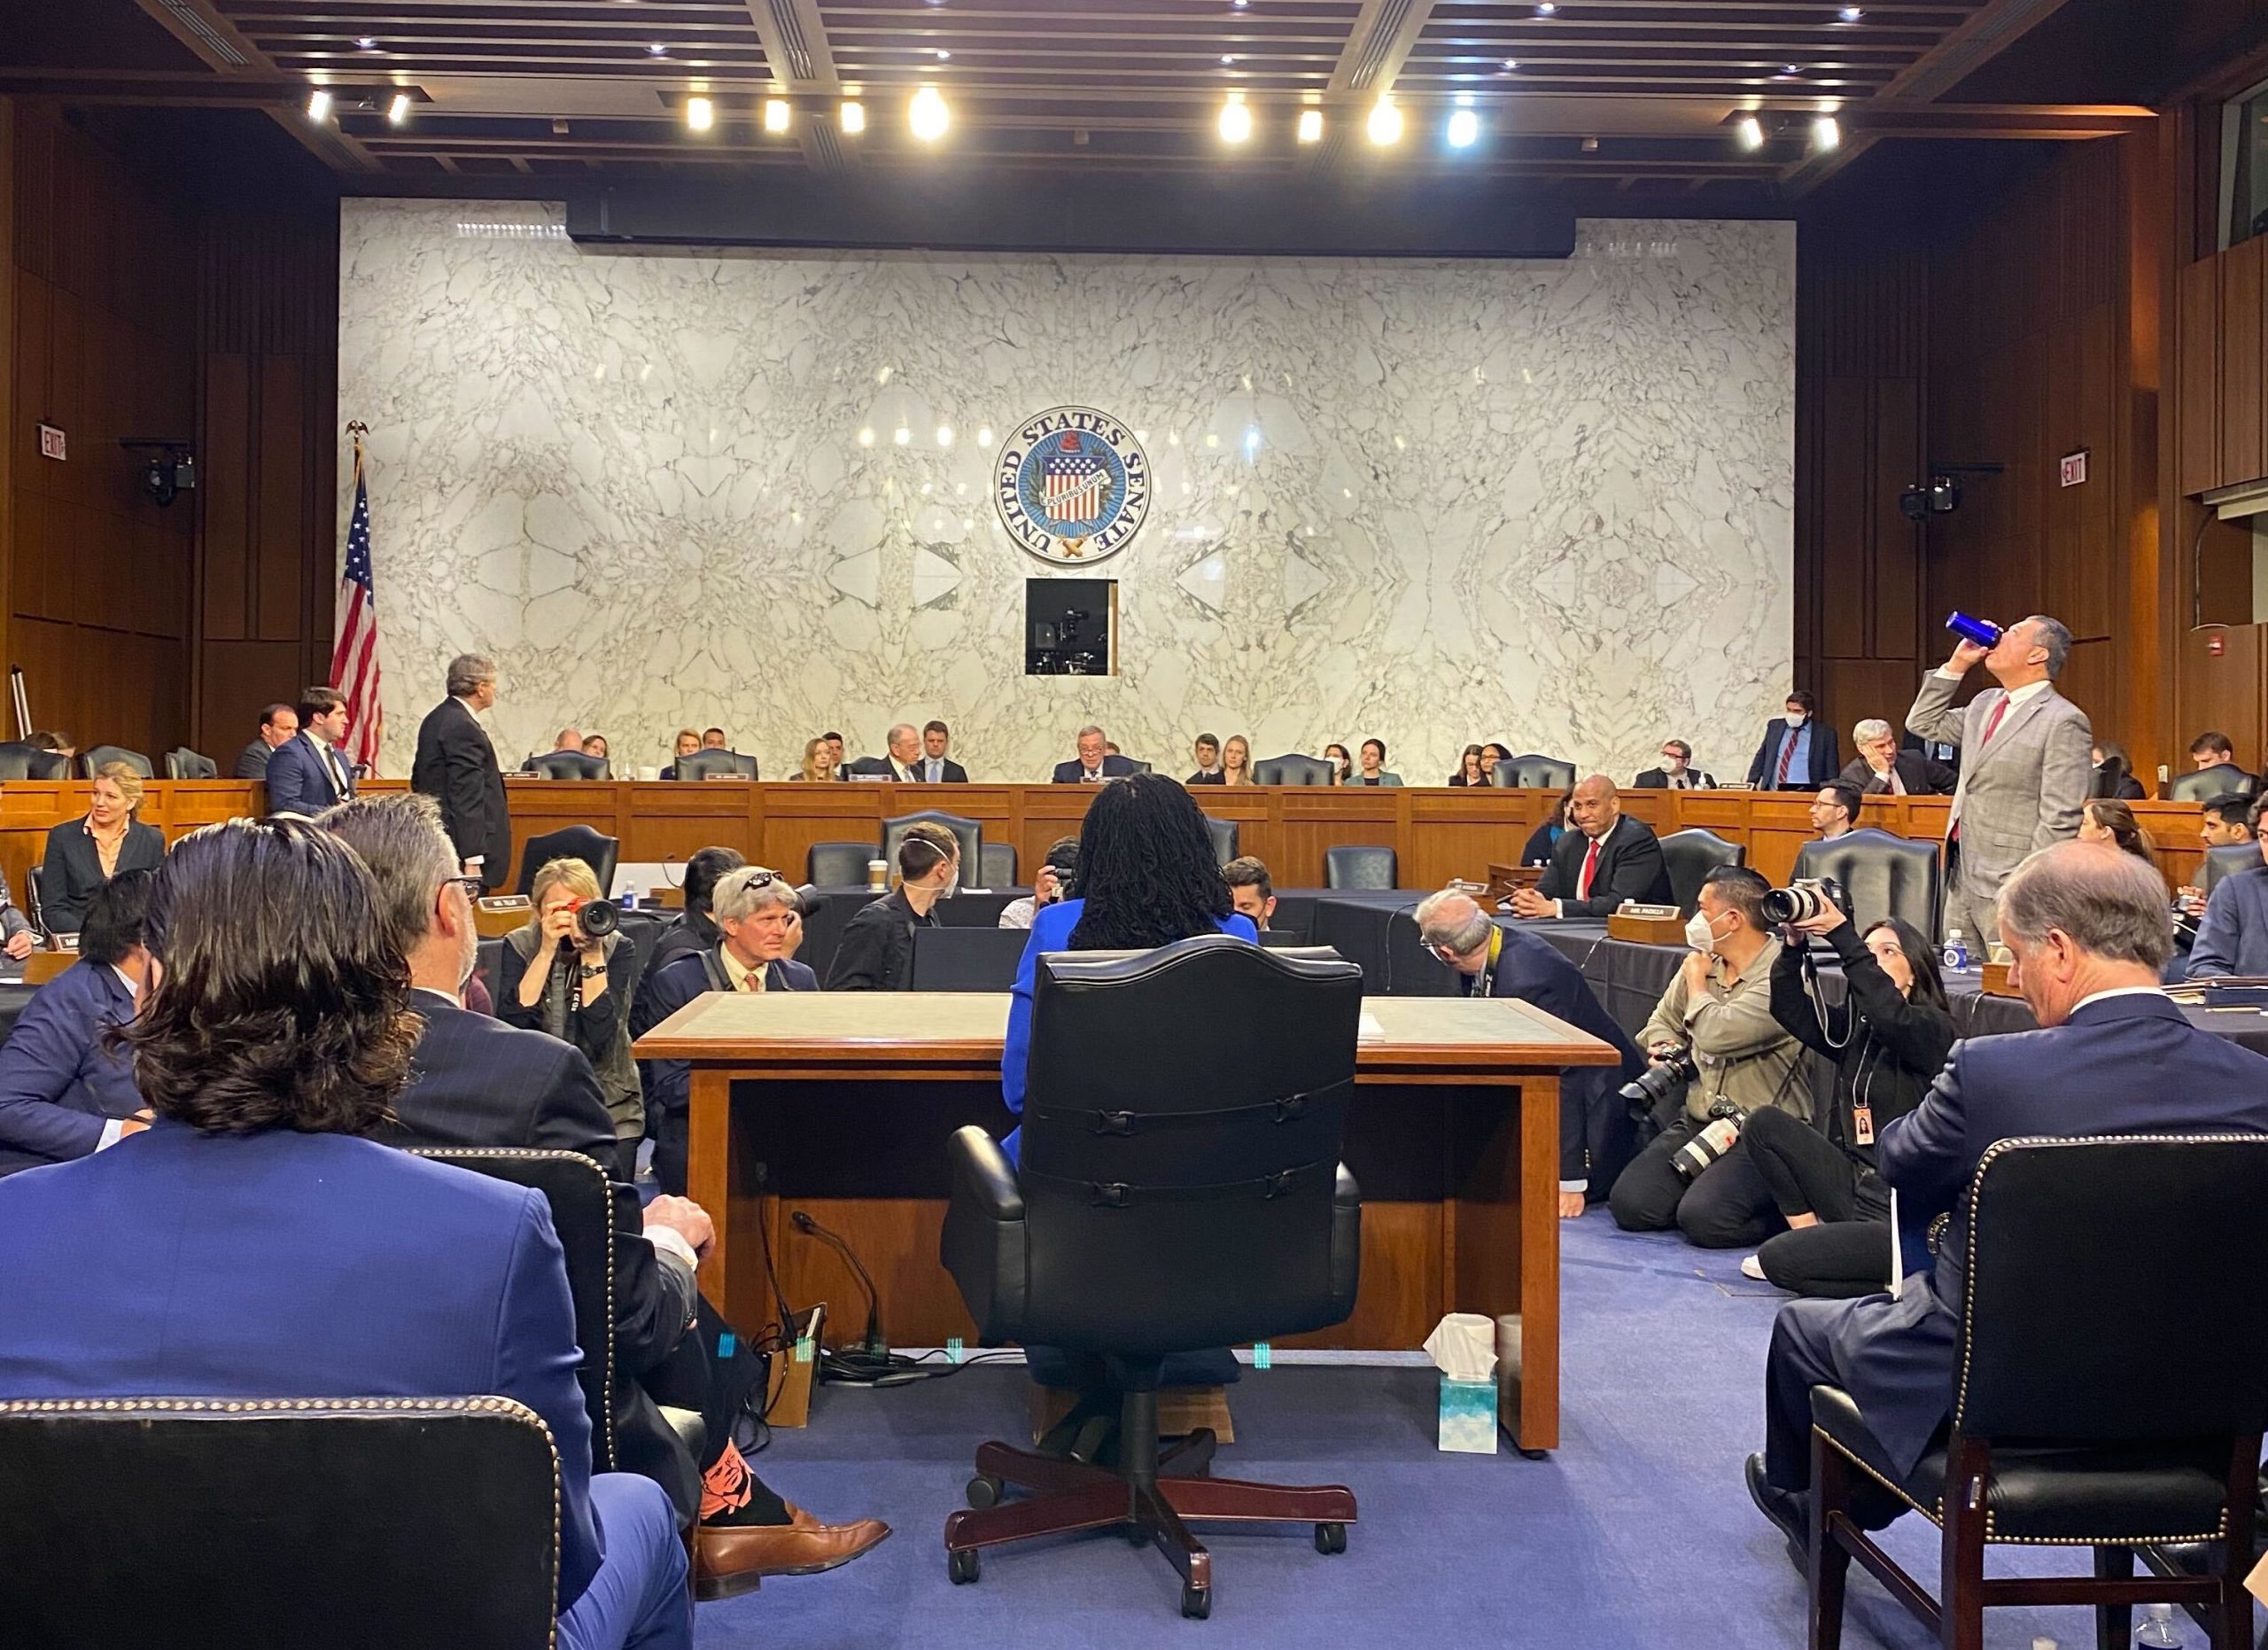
638 1601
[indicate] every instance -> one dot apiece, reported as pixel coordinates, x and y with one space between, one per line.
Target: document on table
1368 1028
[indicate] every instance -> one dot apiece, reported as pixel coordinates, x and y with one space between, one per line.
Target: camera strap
1489 969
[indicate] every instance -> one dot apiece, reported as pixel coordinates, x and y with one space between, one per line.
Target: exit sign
51 442
2074 469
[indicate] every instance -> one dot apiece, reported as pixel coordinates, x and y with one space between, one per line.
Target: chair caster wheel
964 1567
983 1490
1331 1537
1196 1602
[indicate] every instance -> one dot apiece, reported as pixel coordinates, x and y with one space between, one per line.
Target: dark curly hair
702 872
280 1003
1146 870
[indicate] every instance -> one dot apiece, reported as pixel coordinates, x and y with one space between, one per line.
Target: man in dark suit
277 724
479 1082
1607 859
1596 1135
1097 761
2212 753
2090 934
936 767
755 911
1799 753
904 762
1675 772
1881 769
63 1091
307 774
457 766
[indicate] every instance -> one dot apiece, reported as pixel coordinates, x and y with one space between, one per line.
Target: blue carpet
1637 1532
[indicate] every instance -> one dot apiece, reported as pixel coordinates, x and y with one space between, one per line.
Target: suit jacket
58 1084
2022 791
73 870
1113 768
1897 1356
692 976
457 766
1654 778
1922 775
1384 780
1595 1127
1823 759
1216 777
251 761
295 1265
299 781
1630 867
2231 938
953 772
876 949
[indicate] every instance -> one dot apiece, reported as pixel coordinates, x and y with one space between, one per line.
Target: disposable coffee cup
878 875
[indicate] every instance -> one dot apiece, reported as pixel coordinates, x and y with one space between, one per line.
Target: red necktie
1991 727
1787 755
1590 864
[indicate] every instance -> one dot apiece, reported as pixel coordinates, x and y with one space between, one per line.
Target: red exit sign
2074 468
51 442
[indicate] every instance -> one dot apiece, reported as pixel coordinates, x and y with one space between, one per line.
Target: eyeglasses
474 888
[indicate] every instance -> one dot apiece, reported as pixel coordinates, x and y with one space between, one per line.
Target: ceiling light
944 435
944 56
318 104
929 115
984 436
1826 133
1236 122
1544 8
368 42
1791 69
854 117
700 113
1464 128
1511 64
1384 125
775 114
1310 126
398 111
902 436
1749 130
657 49
1227 57
1850 14
867 436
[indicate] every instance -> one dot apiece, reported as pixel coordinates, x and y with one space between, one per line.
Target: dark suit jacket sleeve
1653 779
571 1116
1066 773
293 786
63 902
510 970
251 761
1924 1153
1942 780
1638 873
1826 753
1550 991
1558 879
862 955
2213 955
666 1080
465 771
1763 754
38 1065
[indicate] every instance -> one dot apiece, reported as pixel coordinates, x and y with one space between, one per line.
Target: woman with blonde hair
82 854
818 759
556 977
1236 760
689 744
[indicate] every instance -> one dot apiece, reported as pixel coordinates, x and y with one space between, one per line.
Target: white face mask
1796 719
1671 764
1698 934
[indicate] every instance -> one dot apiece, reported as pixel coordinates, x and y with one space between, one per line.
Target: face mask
1671 764
1698 934
1796 719
952 885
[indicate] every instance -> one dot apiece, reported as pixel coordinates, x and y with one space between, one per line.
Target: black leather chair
1531 773
19 761
2202 784
2219 862
1886 875
837 864
1291 770
868 767
35 898
969 832
183 763
967 958
2087 1259
454 1504
1359 866
93 762
582 1213
997 862
716 764
1223 833
568 765
1690 855
571 842
1180 1189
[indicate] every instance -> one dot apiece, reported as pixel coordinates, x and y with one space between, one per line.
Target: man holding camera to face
1714 1041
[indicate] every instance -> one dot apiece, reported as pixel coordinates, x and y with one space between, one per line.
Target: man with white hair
1880 769
1097 761
904 745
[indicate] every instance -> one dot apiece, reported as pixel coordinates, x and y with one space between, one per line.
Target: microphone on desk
875 1345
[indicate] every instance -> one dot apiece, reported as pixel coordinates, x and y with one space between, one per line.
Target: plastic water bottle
1955 955
2157 1630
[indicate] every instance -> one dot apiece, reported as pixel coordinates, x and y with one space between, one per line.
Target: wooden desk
840 1106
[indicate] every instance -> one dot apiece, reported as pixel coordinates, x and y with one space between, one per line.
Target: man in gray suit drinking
2026 758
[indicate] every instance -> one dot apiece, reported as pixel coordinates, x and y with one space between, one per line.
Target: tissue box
1468 1416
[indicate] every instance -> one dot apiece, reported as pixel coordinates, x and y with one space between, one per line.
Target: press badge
1863 1125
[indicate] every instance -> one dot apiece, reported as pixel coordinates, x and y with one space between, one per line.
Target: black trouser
672 1133
1847 1253
1728 1207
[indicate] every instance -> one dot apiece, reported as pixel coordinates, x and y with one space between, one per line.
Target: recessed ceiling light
1791 69
1385 124
1464 128
368 42
854 117
1227 57
944 56
1511 63
929 115
1235 120
776 114
1310 128
700 114
1850 14
657 49
1544 8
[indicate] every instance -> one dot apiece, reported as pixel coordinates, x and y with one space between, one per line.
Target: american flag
1076 485
354 661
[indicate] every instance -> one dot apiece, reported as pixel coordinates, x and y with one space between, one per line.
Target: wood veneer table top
917 1028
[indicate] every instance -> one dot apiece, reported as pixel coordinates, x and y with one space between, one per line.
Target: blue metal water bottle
1983 631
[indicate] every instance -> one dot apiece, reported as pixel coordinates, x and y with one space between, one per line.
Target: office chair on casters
1180 1189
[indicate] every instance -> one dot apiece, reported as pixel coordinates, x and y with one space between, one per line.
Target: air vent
826 148
1378 43
791 36
192 18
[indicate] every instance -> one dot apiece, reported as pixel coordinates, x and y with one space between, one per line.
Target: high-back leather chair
868 767
36 898
1223 833
967 958
582 1213
998 861
568 765
1531 773
1690 855
1291 770
720 763
454 1503
1886 875
19 761
2202 784
969 832
183 763
571 842
1359 866
92 762
2222 861
837 864
2086 1259
1180 1189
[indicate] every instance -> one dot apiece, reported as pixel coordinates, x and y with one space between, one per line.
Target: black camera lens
598 918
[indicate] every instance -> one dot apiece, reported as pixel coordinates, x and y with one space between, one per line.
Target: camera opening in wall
1070 627
1939 495
168 471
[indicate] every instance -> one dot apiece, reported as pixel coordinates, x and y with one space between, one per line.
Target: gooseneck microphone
875 1345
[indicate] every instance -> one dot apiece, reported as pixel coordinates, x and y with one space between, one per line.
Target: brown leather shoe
729 1559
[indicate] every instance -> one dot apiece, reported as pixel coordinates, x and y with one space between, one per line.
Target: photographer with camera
1715 1044
1888 1039
558 974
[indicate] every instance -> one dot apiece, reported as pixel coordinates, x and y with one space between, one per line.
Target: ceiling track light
318 104
1310 127
1385 124
929 115
398 111
777 112
1749 132
700 114
854 117
1826 133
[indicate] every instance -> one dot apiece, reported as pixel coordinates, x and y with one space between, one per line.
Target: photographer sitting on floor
1712 1038
1888 1040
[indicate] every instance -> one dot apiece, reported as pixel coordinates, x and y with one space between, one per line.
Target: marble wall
1545 503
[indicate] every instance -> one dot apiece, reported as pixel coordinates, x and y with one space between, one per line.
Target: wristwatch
586 971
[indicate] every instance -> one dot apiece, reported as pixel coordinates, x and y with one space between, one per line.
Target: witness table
840 1105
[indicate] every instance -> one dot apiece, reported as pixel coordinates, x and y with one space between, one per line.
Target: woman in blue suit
1146 878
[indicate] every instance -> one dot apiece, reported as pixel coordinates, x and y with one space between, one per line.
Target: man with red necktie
2027 756
1607 859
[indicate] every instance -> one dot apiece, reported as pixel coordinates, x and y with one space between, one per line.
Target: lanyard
1489 971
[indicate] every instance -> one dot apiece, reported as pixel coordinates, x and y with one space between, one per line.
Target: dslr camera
1659 1084
1717 1137
596 919
1800 901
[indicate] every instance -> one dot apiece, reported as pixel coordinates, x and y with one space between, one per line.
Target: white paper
1369 1027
